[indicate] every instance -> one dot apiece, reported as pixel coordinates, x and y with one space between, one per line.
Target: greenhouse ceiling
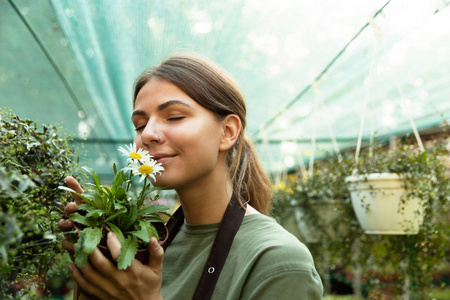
312 71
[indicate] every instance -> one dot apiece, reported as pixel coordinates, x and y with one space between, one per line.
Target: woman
189 114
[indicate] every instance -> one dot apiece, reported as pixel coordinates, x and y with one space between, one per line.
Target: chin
161 184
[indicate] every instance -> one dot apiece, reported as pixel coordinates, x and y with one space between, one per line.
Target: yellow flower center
145 169
135 155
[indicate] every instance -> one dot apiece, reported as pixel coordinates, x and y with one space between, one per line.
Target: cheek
203 153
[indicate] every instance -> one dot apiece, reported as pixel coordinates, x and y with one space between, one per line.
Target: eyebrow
173 102
161 107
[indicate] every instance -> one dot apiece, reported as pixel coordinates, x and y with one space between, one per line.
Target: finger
74 185
84 285
102 264
65 225
70 207
68 245
91 275
114 245
155 260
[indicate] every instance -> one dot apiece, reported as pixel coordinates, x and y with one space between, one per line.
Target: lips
163 158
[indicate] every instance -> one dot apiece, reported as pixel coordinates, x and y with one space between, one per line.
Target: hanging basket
381 204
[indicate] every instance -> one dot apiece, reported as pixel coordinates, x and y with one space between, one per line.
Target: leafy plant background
34 161
391 265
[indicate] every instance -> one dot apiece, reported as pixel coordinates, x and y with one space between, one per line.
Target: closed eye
140 128
175 118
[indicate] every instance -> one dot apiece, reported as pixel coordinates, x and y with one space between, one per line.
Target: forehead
157 90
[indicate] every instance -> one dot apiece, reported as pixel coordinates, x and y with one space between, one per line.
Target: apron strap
228 228
174 225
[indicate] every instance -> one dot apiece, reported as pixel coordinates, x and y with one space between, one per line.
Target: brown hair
214 89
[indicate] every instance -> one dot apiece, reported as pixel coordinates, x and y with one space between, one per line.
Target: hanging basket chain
407 110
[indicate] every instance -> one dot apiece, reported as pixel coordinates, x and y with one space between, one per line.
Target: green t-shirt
265 262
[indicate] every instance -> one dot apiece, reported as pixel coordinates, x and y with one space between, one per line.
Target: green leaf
65 188
127 253
4 254
117 231
115 169
88 240
76 217
94 175
85 196
96 179
92 237
153 218
96 213
118 206
85 207
130 218
152 209
150 228
145 232
120 193
109 192
80 257
119 178
122 211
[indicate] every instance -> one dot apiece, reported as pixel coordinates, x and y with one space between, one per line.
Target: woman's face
189 135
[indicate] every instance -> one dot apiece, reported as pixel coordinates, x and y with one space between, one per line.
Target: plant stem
141 196
129 181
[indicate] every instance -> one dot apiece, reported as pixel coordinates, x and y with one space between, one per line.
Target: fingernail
70 267
155 244
109 234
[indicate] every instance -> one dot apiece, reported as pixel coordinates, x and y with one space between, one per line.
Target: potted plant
412 259
133 217
315 207
314 201
34 160
388 189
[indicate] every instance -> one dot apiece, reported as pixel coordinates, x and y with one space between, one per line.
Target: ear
231 127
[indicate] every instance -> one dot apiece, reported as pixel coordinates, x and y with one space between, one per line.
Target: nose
151 134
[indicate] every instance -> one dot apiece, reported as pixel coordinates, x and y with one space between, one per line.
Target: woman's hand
99 277
66 224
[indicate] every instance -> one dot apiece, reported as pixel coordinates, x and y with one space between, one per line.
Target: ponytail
250 181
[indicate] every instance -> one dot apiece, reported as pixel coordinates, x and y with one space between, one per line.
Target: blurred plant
33 163
119 209
412 258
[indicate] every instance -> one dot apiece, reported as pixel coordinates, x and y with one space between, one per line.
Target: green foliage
118 209
410 257
33 163
127 253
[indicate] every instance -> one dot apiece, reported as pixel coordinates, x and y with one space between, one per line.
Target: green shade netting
309 69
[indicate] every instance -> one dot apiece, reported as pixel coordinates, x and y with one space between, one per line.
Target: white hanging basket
381 206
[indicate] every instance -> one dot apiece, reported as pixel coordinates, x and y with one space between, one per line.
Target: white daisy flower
147 168
132 154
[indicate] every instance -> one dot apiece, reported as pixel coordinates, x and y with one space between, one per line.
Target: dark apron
228 228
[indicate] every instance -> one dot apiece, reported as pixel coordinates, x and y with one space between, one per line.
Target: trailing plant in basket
329 239
411 259
417 168
118 209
